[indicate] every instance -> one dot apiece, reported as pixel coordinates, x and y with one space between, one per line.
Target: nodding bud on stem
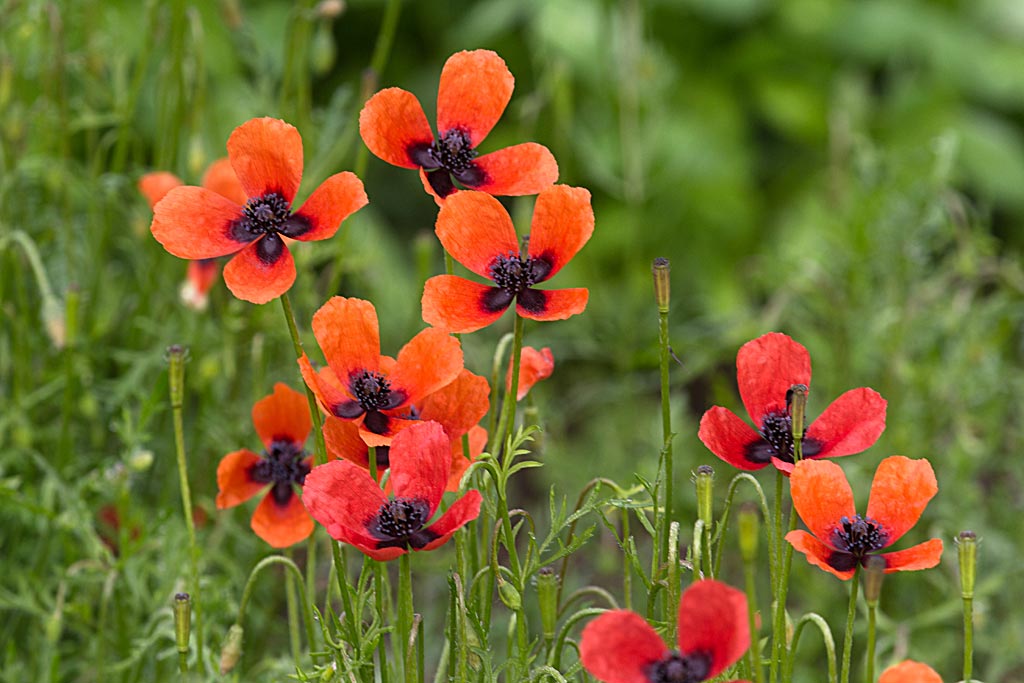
547 598
797 399
967 551
704 478
750 523
874 572
176 355
232 650
661 269
509 595
182 620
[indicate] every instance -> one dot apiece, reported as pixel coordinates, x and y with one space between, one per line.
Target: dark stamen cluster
399 524
263 215
777 440
514 274
677 668
859 536
372 391
453 152
282 465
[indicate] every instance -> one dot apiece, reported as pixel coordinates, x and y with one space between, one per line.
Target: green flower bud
661 269
967 553
182 621
509 595
547 597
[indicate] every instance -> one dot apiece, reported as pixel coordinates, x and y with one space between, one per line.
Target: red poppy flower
767 369
266 155
842 539
457 407
621 647
909 671
534 366
477 231
351 506
282 421
376 391
475 88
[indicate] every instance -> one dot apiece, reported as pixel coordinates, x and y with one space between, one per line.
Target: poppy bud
661 269
547 597
509 595
704 479
750 521
967 552
182 621
232 650
874 572
797 400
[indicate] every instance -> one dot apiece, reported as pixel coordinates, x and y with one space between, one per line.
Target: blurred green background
848 172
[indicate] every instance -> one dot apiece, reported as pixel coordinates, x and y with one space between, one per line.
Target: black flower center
451 155
677 668
268 216
858 536
777 440
399 524
514 274
372 390
283 466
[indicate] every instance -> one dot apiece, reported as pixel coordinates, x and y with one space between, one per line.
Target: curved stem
291 567
826 634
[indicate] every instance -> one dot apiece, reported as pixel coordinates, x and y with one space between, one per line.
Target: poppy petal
477 438
521 169
341 437
234 480
220 177
443 179
459 405
474 90
155 186
431 360
910 671
821 495
282 525
767 367
534 366
713 620
195 223
282 416
475 229
619 646
851 424
324 385
420 462
817 553
726 435
382 435
259 273
336 199
391 123
344 499
266 154
202 274
900 492
349 335
461 512
455 304
563 221
921 556
552 304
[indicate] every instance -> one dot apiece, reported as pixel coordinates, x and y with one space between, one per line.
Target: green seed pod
547 597
182 621
509 595
967 553
661 269
874 572
704 479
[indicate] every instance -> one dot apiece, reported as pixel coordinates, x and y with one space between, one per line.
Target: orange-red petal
713 620
821 495
459 405
420 461
266 154
475 229
392 122
921 556
900 492
431 360
851 424
220 177
534 366
234 483
477 437
526 168
384 436
767 367
252 279
324 385
195 223
341 437
563 221
817 553
343 498
155 186
336 199
726 435
282 525
909 671
474 90
552 304
282 416
349 335
455 304
619 646
202 274
461 512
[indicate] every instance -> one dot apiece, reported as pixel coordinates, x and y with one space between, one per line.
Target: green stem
778 613
320 448
872 613
666 431
844 676
513 389
826 634
968 638
405 617
751 589
380 571
295 573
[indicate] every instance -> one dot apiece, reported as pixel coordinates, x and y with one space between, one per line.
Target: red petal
455 304
349 335
766 369
816 552
282 525
910 672
282 416
521 169
475 229
267 157
563 221
234 482
461 512
251 279
460 463
195 223
394 426
851 424
459 405
336 199
728 436
821 495
420 462
921 556
534 366
343 441
202 274
713 620
474 90
155 186
553 304
618 646
900 492
391 122
324 385
220 177
342 496
431 360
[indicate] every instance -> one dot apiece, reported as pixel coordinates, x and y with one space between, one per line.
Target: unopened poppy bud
329 9
232 650
509 595
967 552
750 523
182 621
176 359
704 478
547 597
874 572
661 269
797 400
323 51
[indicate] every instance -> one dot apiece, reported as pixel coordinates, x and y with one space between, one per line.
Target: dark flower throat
399 524
268 217
450 156
283 466
678 668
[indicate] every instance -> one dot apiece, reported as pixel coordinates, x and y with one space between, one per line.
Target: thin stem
291 567
968 637
666 432
320 448
293 617
380 571
844 675
779 609
869 676
826 634
751 589
405 617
